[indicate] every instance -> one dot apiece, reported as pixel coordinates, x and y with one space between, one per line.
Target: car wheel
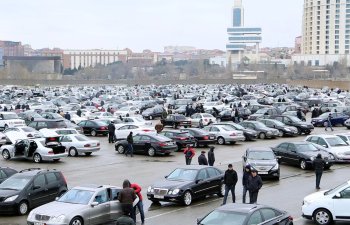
262 135
151 117
179 147
222 190
37 158
240 119
322 217
221 141
187 198
303 164
93 133
280 133
73 152
120 149
308 132
299 131
76 221
6 154
151 152
174 125
88 153
327 167
23 208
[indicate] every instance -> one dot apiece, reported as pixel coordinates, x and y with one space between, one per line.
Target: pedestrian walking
211 156
130 141
318 164
254 184
299 115
127 197
67 116
329 124
111 132
246 175
139 205
189 154
79 112
230 181
202 159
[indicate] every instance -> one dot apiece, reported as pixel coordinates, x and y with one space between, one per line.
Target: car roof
94 187
259 149
322 135
239 207
194 167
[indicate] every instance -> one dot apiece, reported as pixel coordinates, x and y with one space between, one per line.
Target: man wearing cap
254 184
230 181
202 160
211 156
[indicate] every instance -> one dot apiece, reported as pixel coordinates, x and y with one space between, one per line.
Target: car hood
56 208
255 162
5 193
315 196
170 183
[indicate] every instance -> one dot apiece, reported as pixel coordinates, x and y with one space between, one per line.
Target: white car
325 207
332 144
345 137
225 134
130 110
78 144
10 119
101 115
206 117
123 130
64 131
38 149
137 121
210 105
29 132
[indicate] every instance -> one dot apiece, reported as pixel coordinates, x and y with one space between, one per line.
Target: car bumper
166 150
206 142
251 136
234 138
291 133
8 207
103 132
269 174
184 143
55 156
271 135
166 198
36 222
92 149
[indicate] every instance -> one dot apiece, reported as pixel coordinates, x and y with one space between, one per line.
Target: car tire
73 152
93 133
221 192
6 154
76 221
221 141
322 217
151 152
88 153
302 164
280 133
262 135
37 158
327 167
240 119
23 208
195 144
300 132
308 132
187 198
120 149
155 202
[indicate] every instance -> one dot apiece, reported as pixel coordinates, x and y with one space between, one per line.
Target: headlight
58 219
287 129
340 154
275 167
303 125
305 202
150 189
331 156
11 199
176 191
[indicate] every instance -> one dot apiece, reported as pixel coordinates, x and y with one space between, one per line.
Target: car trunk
55 145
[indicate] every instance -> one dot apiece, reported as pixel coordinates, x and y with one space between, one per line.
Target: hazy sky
143 24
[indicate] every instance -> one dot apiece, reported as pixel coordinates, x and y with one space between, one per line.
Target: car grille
42 217
263 168
161 192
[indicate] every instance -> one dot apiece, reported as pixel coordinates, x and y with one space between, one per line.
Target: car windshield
294 119
238 126
278 123
76 196
306 148
15 183
101 123
9 116
183 174
82 138
224 218
336 141
261 155
207 116
336 189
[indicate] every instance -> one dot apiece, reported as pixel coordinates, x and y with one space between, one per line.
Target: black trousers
253 196
188 161
318 179
111 137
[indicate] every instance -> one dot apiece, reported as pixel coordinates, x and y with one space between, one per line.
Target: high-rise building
240 36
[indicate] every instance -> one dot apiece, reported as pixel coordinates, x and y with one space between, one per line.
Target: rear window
28 129
56 124
101 123
82 138
161 138
180 117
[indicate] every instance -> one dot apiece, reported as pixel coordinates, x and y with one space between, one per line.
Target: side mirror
36 187
93 204
198 181
326 146
166 176
337 195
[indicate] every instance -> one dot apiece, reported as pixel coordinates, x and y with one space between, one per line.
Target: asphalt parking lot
109 167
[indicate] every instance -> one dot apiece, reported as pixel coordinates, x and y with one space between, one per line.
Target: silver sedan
79 144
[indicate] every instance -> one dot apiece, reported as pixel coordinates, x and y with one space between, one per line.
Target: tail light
162 144
51 152
29 135
206 120
233 134
103 128
146 130
182 138
290 218
205 137
87 145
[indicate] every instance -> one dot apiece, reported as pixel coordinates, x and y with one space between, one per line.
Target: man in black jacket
130 141
202 160
230 181
111 132
211 156
254 184
246 175
318 166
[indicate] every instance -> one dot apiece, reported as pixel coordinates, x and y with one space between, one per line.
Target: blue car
337 119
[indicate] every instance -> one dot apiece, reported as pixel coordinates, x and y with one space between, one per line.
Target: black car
264 113
283 129
6 172
29 189
249 134
38 124
149 144
303 127
202 138
51 116
263 131
152 113
181 138
246 214
176 120
187 183
262 160
301 154
254 107
243 114
94 127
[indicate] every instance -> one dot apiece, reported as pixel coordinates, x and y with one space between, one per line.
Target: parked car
152 113
149 144
264 113
46 123
336 119
294 113
303 127
181 138
225 134
10 119
202 137
185 184
30 188
127 110
263 160
263 131
249 134
206 117
327 207
94 127
123 130
246 214
78 144
27 131
176 120
301 154
283 129
6 172
137 121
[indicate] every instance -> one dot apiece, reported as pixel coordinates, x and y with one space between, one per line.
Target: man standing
329 124
299 115
127 197
67 116
139 205
111 132
230 181
318 166
246 175
211 156
189 154
254 184
130 141
79 112
202 160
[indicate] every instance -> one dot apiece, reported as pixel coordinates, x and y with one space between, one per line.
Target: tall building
12 48
240 36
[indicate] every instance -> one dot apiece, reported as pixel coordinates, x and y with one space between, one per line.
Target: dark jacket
127 196
202 160
189 152
318 165
67 116
125 220
211 157
230 177
111 128
254 183
245 177
130 139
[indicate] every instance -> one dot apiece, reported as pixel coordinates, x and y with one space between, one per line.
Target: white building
219 60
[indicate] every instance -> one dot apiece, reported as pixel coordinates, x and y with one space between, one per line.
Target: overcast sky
143 24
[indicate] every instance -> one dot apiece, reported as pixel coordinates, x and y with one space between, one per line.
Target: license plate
211 138
38 223
159 196
263 172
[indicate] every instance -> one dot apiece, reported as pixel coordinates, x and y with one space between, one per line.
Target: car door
214 179
140 142
215 131
292 154
280 151
66 141
53 185
272 217
341 204
38 192
255 218
82 124
202 184
195 120
89 126
115 205
100 214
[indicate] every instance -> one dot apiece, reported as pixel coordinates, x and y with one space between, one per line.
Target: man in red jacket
139 205
189 153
